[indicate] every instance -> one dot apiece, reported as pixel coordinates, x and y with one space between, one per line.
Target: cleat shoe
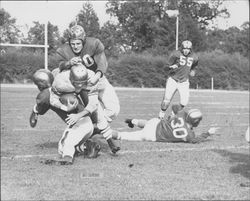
88 147
33 119
80 149
66 160
114 148
95 148
129 122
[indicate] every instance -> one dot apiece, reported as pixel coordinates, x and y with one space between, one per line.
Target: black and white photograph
125 100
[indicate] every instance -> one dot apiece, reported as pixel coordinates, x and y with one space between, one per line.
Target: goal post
45 46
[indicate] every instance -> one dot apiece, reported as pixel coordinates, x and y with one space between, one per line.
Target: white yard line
137 152
128 89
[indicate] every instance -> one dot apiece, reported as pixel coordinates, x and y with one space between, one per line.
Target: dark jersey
176 129
92 55
43 105
184 63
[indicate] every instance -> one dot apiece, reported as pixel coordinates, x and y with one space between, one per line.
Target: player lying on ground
90 52
76 81
182 64
178 127
75 138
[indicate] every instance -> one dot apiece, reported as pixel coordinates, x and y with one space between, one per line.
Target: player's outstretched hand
173 66
213 130
192 73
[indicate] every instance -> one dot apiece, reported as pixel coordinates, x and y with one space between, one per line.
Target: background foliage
139 42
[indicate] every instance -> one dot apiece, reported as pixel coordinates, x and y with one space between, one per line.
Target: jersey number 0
88 60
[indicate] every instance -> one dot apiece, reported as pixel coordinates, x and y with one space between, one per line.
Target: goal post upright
46 24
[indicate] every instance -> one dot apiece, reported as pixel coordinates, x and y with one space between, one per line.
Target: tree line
143 30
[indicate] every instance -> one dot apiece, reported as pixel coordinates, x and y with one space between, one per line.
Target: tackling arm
101 62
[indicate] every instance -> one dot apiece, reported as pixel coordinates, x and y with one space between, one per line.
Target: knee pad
165 104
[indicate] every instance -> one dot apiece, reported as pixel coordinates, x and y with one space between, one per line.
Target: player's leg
183 89
136 122
148 133
105 129
41 107
80 132
109 99
171 86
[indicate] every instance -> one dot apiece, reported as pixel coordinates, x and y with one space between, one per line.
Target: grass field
218 169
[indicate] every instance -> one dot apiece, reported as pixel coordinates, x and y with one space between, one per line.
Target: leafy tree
195 17
144 24
136 22
36 35
9 32
230 40
88 19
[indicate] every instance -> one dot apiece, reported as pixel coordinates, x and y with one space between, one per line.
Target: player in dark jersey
182 64
90 52
178 127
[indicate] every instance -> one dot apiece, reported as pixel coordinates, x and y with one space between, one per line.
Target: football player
90 52
76 80
75 138
182 64
178 127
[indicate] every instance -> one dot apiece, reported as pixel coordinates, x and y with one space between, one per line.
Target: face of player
186 51
42 85
79 85
76 45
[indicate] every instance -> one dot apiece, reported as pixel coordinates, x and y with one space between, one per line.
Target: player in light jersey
182 64
68 81
178 127
90 52
75 138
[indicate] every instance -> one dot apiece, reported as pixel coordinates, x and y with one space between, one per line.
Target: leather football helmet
43 78
77 33
194 116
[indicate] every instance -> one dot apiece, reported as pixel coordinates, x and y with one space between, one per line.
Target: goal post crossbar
23 45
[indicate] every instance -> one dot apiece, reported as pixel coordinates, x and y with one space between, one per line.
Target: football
68 97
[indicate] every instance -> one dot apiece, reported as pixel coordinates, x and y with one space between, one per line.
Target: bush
229 71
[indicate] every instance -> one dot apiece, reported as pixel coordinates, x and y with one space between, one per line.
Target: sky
61 13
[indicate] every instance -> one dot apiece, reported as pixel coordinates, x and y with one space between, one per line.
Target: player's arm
63 62
42 102
101 61
193 67
202 137
173 60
